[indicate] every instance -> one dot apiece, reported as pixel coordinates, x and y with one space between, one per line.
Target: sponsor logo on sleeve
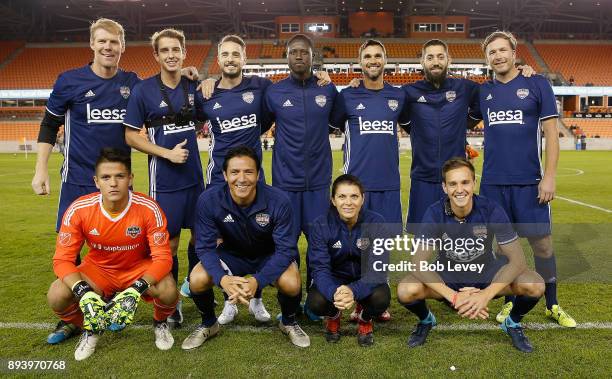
64 238
160 238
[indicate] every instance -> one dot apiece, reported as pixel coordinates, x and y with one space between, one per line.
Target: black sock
192 258
175 268
258 293
522 305
205 302
547 268
419 308
288 305
509 298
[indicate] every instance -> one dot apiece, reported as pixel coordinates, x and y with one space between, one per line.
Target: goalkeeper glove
124 304
92 306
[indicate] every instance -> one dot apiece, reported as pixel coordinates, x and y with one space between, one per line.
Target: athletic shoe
332 328
421 331
560 316
199 336
176 319
297 336
365 337
62 332
185 291
163 337
311 316
354 317
504 312
114 327
228 314
385 316
519 339
86 346
257 309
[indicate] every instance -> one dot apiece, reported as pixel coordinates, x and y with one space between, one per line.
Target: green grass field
583 236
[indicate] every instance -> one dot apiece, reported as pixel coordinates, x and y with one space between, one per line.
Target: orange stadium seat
591 127
16 113
16 131
8 47
586 63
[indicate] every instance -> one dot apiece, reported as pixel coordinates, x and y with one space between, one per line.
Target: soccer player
516 110
129 257
254 221
166 105
468 274
338 243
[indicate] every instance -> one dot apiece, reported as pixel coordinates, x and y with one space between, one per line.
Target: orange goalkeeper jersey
116 244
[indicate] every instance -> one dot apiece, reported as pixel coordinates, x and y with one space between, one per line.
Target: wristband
80 288
141 285
454 300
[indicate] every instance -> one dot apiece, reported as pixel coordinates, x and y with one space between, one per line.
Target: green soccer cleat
560 316
504 312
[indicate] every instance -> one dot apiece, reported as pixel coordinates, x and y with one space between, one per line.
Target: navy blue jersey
236 118
512 114
93 108
438 123
302 158
147 103
369 120
486 220
335 252
262 229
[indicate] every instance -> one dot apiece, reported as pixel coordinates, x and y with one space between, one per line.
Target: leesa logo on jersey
238 123
104 116
375 127
505 117
173 128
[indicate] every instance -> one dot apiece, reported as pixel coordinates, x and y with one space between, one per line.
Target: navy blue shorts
240 266
386 203
521 203
422 195
179 207
307 206
456 280
68 194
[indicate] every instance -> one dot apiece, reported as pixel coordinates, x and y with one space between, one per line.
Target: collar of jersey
120 216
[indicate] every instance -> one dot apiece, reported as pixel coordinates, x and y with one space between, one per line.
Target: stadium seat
591 127
586 63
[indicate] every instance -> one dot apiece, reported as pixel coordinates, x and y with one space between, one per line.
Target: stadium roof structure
57 20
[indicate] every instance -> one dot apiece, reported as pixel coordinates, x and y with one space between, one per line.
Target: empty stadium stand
590 127
18 130
586 63
9 47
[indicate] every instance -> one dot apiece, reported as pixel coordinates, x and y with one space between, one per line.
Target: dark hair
112 154
346 179
241 151
372 42
232 38
457 162
302 37
434 42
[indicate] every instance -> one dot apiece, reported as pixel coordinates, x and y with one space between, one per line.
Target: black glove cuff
141 285
80 288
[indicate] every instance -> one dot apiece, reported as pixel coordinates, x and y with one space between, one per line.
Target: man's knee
410 291
290 282
380 298
316 302
59 295
542 246
165 290
199 279
529 284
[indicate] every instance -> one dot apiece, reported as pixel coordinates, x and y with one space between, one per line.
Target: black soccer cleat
519 339
365 337
419 334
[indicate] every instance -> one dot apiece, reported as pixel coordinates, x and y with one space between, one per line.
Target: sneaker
185 291
257 309
519 339
228 314
199 336
560 316
421 331
385 316
86 346
332 328
176 319
365 337
504 312
163 337
62 332
354 317
297 336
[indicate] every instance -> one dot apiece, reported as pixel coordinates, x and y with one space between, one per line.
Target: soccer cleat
385 316
504 312
62 332
114 327
297 336
176 319
519 339
185 291
354 317
86 346
365 337
560 316
163 337
421 331
332 328
228 314
257 309
310 314
199 336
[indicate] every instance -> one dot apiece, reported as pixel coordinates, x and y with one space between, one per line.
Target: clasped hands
471 302
239 288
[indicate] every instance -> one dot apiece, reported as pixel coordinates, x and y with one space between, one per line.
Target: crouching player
129 257
254 221
469 277
338 243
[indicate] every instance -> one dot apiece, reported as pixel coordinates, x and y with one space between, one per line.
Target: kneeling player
469 277
338 240
254 221
129 256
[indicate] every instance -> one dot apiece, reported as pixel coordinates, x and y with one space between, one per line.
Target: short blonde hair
499 34
168 33
108 25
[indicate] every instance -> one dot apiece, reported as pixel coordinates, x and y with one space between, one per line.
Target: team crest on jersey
522 93
262 219
393 104
362 243
159 238
124 91
321 100
248 97
451 96
480 231
132 231
64 238
191 98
